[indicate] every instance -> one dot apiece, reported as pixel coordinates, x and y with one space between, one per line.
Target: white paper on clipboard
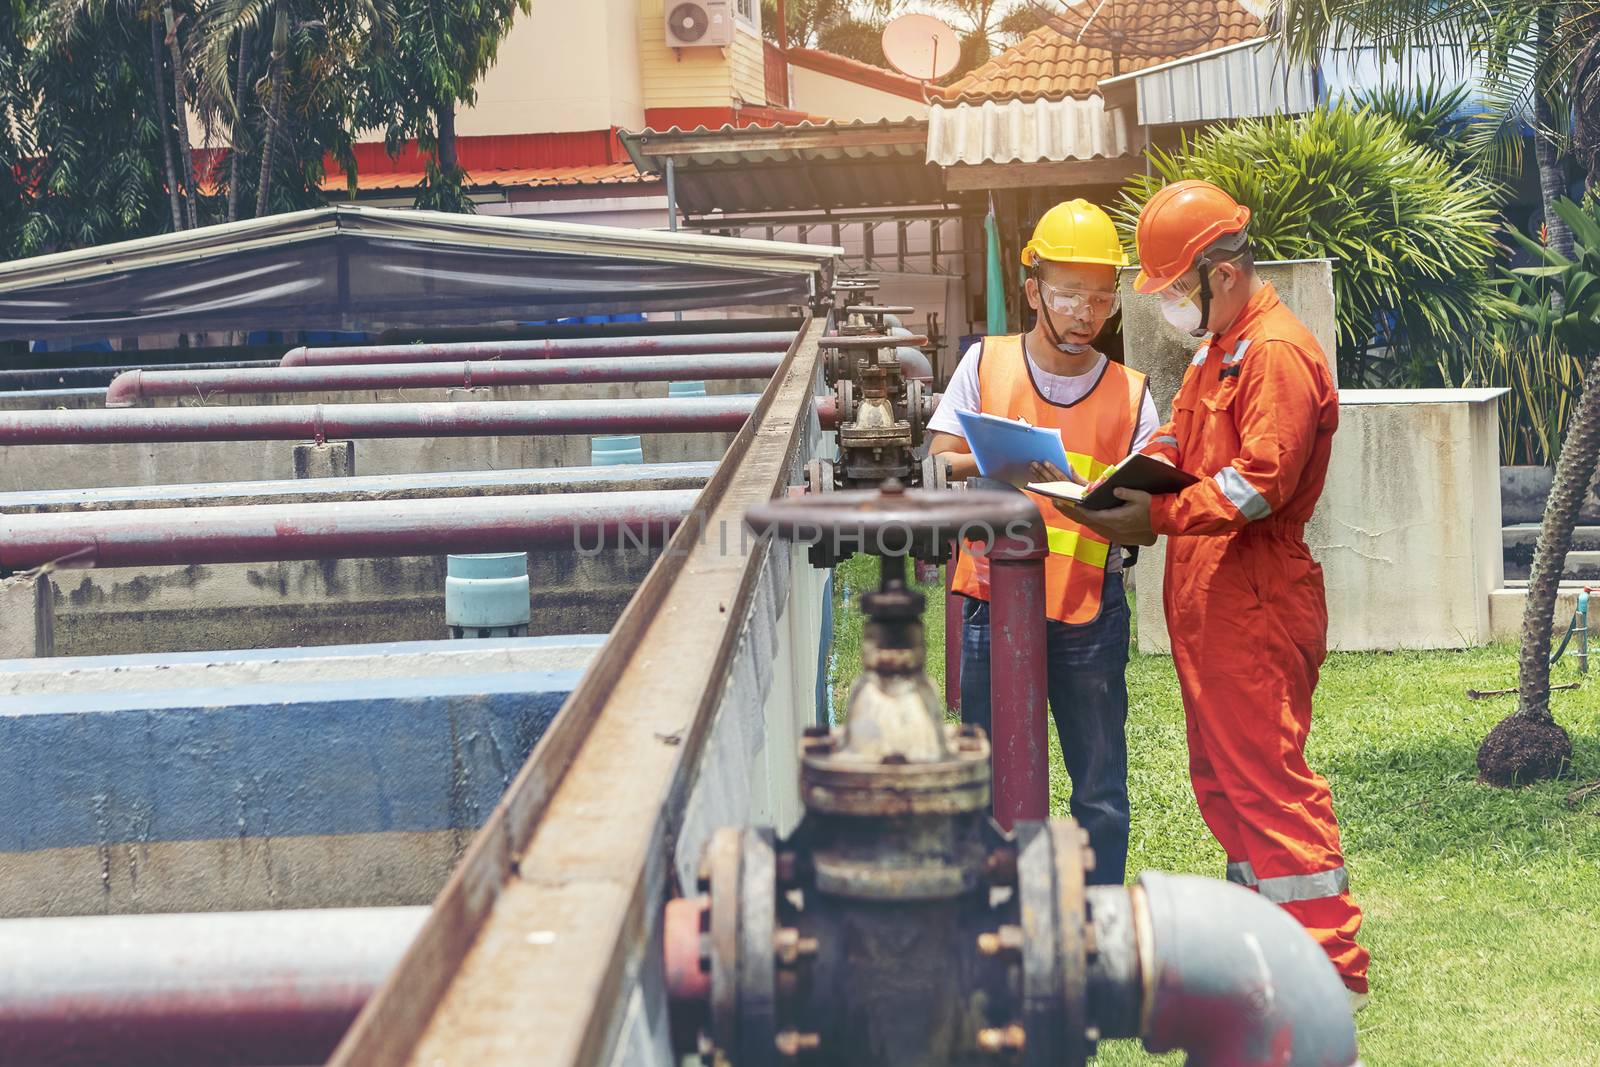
1004 448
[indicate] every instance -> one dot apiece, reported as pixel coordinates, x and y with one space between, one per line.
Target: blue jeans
1088 690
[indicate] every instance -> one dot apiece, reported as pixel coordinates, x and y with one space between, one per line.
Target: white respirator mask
1183 314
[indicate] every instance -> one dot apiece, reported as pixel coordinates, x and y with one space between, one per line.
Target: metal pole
683 344
672 194
1583 631
340 422
134 386
213 989
1018 684
953 623
585 523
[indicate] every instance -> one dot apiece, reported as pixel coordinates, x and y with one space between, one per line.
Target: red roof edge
853 70
514 151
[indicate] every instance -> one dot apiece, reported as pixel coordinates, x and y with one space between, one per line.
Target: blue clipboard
1004 448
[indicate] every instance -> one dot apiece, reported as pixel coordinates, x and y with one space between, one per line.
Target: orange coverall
1254 420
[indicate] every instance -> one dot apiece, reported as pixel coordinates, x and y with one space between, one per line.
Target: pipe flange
820 476
917 410
834 785
936 473
758 993
844 402
720 877
1069 851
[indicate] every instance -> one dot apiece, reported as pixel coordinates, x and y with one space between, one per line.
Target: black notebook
1138 471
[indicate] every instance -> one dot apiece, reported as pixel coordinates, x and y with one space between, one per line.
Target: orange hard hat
1177 225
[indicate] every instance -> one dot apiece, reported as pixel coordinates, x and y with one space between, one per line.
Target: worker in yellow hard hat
1053 376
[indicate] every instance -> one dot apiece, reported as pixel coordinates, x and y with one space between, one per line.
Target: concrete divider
288 778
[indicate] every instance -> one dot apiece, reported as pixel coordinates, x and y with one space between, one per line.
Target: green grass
1482 905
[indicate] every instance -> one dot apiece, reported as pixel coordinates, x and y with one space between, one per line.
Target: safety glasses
1078 301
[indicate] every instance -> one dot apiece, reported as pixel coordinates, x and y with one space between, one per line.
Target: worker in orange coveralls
1254 421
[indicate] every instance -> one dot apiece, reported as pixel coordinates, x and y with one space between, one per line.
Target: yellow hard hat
1075 231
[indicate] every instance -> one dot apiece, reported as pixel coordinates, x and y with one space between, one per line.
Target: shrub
1411 235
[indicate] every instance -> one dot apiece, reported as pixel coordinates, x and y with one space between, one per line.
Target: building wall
748 62
687 77
564 67
817 93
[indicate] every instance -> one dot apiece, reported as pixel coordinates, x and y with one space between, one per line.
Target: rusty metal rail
320 422
132 387
526 955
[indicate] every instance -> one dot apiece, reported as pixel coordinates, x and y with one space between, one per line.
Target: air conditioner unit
699 23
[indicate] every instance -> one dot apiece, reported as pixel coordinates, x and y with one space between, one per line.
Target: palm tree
1538 57
275 78
316 45
180 176
1529 49
180 105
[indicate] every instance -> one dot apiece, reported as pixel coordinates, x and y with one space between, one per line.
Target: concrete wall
222 782
1408 529
819 93
563 67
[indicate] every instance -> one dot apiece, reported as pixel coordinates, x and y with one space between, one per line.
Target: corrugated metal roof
806 166
520 177
1245 80
1028 131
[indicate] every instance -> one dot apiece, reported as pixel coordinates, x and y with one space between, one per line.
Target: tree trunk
1573 472
280 45
237 131
166 138
1552 178
180 104
446 114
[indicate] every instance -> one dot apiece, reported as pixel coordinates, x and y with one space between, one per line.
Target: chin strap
1204 264
1044 313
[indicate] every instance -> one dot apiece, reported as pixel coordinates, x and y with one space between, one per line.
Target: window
748 10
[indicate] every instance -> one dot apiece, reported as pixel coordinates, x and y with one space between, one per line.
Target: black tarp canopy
359 268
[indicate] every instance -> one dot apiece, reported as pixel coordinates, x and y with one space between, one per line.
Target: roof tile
1049 64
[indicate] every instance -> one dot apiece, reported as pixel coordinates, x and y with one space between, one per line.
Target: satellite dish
921 47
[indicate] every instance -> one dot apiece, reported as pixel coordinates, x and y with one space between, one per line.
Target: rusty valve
899 926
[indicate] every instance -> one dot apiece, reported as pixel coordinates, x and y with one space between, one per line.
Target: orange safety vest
1097 431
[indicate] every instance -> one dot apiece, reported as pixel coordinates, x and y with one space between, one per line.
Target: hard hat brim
1030 256
1144 283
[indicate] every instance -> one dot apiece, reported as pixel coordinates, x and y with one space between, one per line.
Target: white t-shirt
962 395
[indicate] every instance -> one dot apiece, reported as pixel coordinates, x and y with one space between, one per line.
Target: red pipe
208 989
320 422
129 388
1018 683
689 344
266 533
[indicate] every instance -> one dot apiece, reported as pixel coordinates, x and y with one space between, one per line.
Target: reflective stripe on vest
1096 433
1073 543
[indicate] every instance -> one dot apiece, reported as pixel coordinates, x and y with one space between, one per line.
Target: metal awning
1063 141
351 268
1245 80
806 167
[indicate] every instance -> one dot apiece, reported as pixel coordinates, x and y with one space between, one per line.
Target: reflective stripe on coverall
1254 420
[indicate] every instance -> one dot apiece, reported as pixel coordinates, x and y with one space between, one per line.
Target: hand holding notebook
1137 471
